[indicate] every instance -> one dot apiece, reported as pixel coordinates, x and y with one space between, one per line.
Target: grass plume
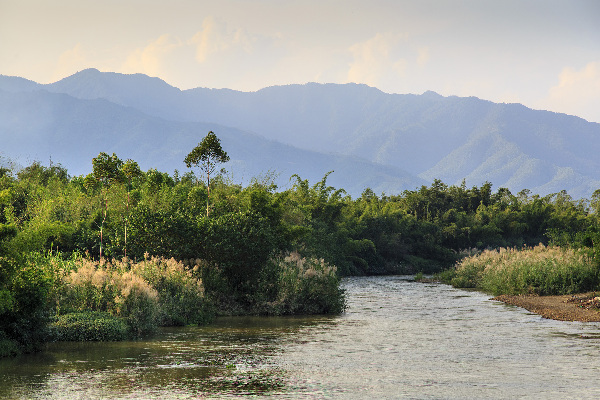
538 270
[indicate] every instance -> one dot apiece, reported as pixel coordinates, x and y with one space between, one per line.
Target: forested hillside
42 126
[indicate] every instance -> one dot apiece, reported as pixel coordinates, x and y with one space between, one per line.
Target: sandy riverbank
579 307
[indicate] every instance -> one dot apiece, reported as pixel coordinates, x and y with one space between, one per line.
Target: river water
398 339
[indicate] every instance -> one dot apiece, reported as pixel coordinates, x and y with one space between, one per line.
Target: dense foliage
258 250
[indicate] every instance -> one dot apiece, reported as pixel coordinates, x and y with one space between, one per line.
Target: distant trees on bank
245 237
119 210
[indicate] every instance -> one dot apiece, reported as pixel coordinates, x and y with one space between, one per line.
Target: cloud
215 38
423 56
150 59
386 60
375 58
215 56
577 92
71 61
235 58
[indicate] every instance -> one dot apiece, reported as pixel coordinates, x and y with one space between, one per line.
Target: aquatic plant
89 326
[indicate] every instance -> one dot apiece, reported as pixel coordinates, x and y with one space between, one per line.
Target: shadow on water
230 357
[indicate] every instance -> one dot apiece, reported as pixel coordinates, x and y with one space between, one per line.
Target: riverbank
580 307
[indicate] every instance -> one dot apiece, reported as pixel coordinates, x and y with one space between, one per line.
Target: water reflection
232 356
399 339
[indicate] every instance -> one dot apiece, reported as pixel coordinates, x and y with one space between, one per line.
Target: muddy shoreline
583 307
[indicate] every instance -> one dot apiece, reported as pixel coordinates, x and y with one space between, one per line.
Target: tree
207 155
107 170
131 170
36 172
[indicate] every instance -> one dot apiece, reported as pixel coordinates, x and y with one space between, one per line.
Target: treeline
132 213
253 248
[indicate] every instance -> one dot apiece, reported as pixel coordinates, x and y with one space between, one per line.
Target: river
398 339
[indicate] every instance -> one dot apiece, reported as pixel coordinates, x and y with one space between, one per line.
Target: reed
151 293
538 270
307 286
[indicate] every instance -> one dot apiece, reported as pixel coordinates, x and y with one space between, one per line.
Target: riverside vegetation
539 270
121 251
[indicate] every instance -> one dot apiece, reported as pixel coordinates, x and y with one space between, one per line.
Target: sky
544 54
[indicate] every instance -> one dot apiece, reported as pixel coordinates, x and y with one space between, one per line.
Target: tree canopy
207 155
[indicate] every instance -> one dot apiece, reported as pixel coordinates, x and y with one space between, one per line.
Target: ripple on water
399 338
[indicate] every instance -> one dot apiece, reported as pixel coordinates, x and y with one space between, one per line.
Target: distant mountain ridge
44 126
404 139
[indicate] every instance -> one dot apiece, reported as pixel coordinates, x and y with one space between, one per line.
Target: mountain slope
40 125
428 135
16 84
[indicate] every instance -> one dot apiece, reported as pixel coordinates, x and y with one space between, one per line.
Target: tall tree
207 155
107 170
131 170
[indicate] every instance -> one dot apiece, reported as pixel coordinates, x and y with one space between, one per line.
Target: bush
24 311
138 304
180 294
241 244
89 286
111 288
154 292
89 326
8 347
303 286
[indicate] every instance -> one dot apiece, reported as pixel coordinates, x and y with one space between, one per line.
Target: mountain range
387 142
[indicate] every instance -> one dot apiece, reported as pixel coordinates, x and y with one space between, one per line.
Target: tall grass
114 299
151 293
180 290
304 286
539 270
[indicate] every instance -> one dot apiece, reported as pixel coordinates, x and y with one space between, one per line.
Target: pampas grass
153 292
539 270
307 286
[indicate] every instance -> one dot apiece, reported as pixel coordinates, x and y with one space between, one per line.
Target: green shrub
154 292
138 304
89 326
304 286
101 286
8 347
180 293
241 244
24 311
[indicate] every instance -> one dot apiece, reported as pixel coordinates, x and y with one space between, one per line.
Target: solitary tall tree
207 155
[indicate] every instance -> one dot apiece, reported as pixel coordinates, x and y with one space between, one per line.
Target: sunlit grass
539 270
304 286
147 294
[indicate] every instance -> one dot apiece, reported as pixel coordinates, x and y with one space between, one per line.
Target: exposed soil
579 307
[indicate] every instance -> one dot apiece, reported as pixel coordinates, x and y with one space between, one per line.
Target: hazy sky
542 53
